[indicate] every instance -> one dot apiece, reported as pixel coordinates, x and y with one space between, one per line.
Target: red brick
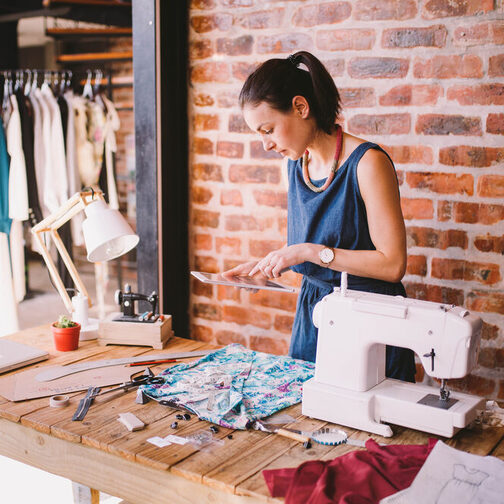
491 186
282 225
284 43
283 323
476 385
231 197
489 331
254 174
323 13
235 47
228 246
238 125
417 208
372 10
212 71
230 149
245 316
403 154
495 124
436 238
225 292
335 67
204 218
203 24
489 243
400 177
236 3
443 183
207 311
457 269
496 66
464 155
257 152
383 124
202 145
412 95
202 4
447 8
241 223
489 302
201 195
262 19
432 36
472 213
344 40
201 333
228 337
448 67
241 70
203 122
227 99
357 97
200 49
440 124
416 265
435 293
271 198
261 248
487 357
202 241
484 94
378 68
207 172
268 344
201 289
280 300
205 263
480 34
231 263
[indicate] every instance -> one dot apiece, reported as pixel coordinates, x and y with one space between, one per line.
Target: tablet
240 281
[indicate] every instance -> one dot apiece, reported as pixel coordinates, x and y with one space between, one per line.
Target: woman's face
287 133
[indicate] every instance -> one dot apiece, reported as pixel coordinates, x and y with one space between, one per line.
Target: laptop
14 355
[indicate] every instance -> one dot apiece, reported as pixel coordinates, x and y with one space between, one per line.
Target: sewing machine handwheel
118 296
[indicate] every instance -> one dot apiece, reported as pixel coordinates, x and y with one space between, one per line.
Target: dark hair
277 81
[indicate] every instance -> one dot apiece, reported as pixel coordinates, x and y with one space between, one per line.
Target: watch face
326 255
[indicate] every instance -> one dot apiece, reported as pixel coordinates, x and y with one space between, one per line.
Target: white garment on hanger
9 319
18 200
84 148
112 124
38 151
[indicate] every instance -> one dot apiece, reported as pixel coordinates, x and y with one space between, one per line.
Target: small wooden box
153 334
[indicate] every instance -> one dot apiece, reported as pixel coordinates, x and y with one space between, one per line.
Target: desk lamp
107 235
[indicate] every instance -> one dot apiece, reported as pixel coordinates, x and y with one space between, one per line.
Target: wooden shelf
104 3
107 56
89 32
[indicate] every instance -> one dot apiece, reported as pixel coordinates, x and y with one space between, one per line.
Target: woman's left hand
276 262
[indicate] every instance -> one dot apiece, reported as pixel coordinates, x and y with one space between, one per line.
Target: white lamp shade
106 233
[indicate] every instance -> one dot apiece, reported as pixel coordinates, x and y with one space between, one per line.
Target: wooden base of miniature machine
153 334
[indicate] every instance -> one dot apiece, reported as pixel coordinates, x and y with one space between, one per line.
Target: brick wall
423 79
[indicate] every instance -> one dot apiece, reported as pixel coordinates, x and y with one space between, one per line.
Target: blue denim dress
336 218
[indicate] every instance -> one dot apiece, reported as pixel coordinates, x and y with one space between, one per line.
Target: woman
344 210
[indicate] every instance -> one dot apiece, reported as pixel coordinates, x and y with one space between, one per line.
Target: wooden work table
102 454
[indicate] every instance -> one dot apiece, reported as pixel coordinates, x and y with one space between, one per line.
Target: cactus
64 322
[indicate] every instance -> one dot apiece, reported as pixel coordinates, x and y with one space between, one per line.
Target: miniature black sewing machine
130 328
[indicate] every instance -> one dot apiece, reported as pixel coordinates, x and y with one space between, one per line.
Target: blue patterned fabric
336 218
234 386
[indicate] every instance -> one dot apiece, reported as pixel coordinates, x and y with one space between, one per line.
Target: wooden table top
101 453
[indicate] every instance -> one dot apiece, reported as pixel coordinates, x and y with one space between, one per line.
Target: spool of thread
58 401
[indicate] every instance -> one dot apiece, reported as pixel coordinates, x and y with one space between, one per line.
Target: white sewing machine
349 386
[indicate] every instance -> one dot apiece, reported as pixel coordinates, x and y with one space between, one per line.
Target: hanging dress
335 218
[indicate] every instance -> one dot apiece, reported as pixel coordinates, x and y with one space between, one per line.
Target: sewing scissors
147 378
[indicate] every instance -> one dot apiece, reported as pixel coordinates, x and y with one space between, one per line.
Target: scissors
147 378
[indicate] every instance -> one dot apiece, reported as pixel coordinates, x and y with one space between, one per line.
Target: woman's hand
278 261
240 270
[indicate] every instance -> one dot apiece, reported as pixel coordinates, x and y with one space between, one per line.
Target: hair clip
293 59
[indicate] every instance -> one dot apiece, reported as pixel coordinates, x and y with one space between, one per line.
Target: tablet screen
240 281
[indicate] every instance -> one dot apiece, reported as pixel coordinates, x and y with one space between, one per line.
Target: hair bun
294 59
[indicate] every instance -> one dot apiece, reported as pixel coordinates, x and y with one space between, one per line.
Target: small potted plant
66 334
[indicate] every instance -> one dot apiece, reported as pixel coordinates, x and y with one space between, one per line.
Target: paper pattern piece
452 476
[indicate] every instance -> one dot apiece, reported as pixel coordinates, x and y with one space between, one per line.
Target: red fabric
359 477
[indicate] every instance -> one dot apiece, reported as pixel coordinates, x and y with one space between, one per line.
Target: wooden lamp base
153 334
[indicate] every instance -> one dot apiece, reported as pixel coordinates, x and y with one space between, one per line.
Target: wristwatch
326 256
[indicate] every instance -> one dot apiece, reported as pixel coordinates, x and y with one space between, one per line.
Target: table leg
84 495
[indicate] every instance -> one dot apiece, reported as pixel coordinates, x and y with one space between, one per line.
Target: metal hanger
87 92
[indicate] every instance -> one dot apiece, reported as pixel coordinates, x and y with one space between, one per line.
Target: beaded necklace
334 167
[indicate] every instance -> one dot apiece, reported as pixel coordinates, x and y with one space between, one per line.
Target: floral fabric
234 386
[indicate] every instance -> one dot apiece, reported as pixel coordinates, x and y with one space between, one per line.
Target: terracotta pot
66 338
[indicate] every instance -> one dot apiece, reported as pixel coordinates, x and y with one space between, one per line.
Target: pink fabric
359 477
